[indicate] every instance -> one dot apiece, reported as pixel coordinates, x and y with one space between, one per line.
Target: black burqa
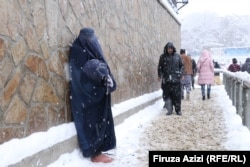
91 83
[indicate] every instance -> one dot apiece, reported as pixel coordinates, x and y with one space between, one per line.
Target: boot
208 95
169 113
188 96
203 97
178 113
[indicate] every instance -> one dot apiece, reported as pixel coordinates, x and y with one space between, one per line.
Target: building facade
35 37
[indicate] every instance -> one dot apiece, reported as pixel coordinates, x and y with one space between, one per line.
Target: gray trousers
186 84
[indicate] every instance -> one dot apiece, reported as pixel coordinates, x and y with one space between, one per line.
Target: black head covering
182 51
234 60
169 45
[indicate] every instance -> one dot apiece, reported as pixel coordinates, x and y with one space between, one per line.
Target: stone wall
35 36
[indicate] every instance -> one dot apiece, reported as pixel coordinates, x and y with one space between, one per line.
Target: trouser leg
193 81
176 97
168 105
203 91
208 91
182 90
188 84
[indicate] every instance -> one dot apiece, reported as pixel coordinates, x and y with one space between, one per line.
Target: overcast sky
221 7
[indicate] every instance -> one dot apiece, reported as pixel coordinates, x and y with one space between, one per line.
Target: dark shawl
91 83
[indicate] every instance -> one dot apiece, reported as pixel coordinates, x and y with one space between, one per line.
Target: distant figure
205 68
234 67
217 79
91 86
170 69
194 68
246 66
186 81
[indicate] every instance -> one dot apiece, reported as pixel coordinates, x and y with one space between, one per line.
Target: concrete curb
51 154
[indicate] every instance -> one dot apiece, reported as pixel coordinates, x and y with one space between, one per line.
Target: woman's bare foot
102 158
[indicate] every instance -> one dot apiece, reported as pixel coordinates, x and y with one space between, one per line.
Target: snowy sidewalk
201 127
205 125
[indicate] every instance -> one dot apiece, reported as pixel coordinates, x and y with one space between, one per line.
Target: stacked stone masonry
35 37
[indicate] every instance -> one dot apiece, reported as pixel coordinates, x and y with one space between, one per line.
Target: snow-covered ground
128 135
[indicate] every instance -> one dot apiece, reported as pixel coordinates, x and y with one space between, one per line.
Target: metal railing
238 90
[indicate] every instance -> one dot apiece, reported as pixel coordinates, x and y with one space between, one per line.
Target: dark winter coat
170 67
194 68
170 70
246 66
234 67
91 83
217 66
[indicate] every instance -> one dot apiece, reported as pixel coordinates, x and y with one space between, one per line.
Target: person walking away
234 67
170 71
217 79
194 68
91 85
186 81
246 66
205 68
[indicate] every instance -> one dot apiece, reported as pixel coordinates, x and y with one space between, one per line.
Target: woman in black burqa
91 84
